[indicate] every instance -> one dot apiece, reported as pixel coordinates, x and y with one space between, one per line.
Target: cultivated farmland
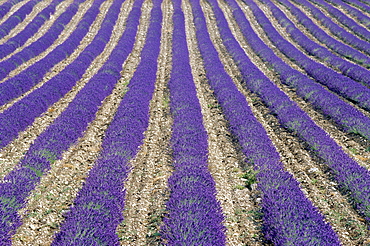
184 122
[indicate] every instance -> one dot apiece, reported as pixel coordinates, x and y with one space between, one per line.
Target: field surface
184 122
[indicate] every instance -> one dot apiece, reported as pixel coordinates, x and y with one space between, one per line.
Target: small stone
313 170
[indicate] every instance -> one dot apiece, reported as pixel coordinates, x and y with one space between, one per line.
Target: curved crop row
344 20
22 113
17 18
336 30
289 217
97 210
39 45
194 215
359 5
348 117
338 83
352 178
349 69
6 6
362 18
49 146
314 49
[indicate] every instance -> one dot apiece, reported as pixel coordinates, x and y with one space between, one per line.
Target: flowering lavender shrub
337 83
194 215
6 6
97 209
362 18
65 130
349 69
352 178
16 18
38 46
336 30
22 113
335 45
345 20
345 115
288 216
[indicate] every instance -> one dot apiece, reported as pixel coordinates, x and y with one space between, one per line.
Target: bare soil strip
14 151
310 171
13 10
309 35
69 28
57 190
36 10
147 182
354 145
226 162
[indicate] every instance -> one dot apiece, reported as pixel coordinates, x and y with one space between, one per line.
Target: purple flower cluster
6 6
319 51
351 177
361 17
289 218
22 113
336 30
344 19
29 77
358 4
345 115
16 18
97 209
194 215
41 44
337 83
65 130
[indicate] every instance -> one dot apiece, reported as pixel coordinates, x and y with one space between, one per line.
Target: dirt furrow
354 145
36 10
69 28
146 184
310 171
58 188
15 150
13 10
226 162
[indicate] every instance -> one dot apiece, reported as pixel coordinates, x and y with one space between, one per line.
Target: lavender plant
336 30
65 131
22 113
288 216
98 207
353 179
194 215
337 83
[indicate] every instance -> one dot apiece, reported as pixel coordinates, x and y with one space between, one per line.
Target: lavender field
184 122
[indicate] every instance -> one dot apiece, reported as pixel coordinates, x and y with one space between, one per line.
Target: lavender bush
194 215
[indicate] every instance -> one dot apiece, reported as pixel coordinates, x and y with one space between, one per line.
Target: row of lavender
5 7
22 113
39 45
289 217
342 18
65 130
194 215
353 178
